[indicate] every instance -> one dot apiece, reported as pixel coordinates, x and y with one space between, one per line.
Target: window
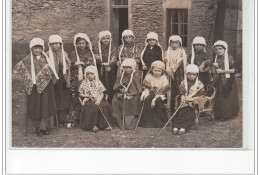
178 24
119 3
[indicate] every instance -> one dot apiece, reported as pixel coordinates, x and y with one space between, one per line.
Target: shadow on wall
21 50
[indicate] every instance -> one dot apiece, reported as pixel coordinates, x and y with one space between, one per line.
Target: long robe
40 98
62 86
186 115
226 101
158 116
130 105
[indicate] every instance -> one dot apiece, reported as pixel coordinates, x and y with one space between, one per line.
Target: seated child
200 57
126 101
190 89
151 52
91 90
156 85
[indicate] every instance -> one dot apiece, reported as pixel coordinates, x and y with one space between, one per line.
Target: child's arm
230 71
85 95
99 99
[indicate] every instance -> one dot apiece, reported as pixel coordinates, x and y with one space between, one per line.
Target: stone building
187 18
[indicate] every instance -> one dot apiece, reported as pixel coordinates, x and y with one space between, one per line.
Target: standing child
62 86
226 101
151 52
108 59
156 85
81 57
126 101
36 72
128 49
91 89
190 89
176 60
201 59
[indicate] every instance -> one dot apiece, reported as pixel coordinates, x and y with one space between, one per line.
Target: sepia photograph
127 74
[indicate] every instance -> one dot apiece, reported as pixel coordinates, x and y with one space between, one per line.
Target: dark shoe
39 132
45 132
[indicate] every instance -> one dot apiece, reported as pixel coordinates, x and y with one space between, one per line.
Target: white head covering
40 42
57 39
191 68
100 35
84 36
151 35
125 33
197 40
128 62
226 62
159 64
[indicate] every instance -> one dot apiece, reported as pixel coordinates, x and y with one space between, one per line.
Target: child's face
191 76
128 69
105 40
152 42
82 44
219 50
55 46
198 47
157 72
90 76
37 50
128 39
175 44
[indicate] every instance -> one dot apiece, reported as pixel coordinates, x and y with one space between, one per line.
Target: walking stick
173 115
105 117
124 112
139 117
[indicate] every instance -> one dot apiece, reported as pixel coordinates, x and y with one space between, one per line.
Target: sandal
175 131
181 131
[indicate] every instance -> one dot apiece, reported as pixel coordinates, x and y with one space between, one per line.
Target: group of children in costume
104 86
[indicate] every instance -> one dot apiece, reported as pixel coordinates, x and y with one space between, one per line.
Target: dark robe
226 101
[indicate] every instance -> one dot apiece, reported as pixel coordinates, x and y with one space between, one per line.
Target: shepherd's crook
171 118
104 117
139 117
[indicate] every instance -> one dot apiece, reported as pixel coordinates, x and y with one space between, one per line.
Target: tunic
131 104
226 101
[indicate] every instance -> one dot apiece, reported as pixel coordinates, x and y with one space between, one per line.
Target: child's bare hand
215 65
79 63
98 102
107 69
144 68
219 71
105 64
153 104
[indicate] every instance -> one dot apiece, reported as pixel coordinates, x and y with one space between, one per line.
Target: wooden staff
171 118
105 117
139 117
124 111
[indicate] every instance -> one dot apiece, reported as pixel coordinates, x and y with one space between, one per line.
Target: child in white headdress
62 86
226 102
200 57
156 85
190 89
151 52
126 101
128 48
36 71
108 58
81 57
92 92
176 60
